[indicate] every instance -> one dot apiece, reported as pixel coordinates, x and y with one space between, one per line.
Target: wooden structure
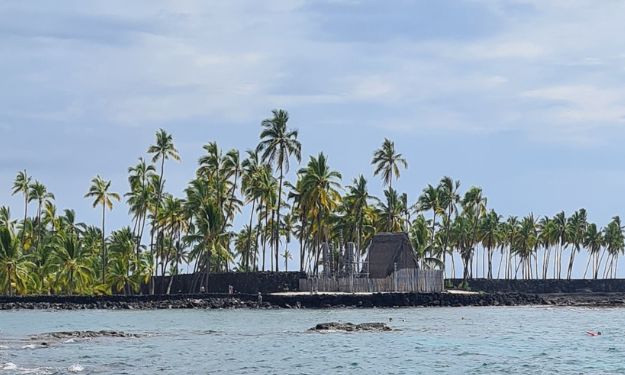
387 253
401 281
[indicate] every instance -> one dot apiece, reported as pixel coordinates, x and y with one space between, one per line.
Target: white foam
9 366
29 346
75 368
3 347
69 341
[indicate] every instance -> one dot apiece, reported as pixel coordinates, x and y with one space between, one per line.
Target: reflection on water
478 340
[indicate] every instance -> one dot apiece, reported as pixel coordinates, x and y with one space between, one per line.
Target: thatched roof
385 250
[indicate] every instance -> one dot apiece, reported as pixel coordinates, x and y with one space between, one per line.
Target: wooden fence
406 280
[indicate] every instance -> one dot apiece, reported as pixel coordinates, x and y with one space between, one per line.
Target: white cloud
587 105
549 65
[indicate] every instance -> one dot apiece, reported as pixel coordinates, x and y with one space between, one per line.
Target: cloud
586 105
529 62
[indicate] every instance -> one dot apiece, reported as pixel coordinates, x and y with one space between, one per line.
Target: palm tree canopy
99 191
21 183
277 142
164 147
387 161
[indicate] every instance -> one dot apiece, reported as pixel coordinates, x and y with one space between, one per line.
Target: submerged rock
83 335
351 327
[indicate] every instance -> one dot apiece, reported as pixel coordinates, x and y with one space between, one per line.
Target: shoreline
309 301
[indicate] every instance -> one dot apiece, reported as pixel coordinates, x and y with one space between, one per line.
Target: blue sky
523 98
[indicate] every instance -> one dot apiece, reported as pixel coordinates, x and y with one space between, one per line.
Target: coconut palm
489 236
250 183
561 234
356 202
576 228
277 144
449 198
430 199
525 244
15 265
593 241
390 212
547 238
141 196
162 150
39 193
72 265
474 205
387 162
21 185
320 186
615 245
99 191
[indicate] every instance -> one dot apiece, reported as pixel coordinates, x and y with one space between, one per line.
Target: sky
521 97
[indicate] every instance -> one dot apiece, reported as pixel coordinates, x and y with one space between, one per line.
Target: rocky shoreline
381 300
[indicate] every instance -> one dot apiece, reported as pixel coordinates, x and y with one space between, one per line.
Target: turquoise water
478 340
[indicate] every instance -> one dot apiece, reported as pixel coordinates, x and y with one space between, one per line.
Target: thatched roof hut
386 250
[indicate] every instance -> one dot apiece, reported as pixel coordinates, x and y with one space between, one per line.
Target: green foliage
50 251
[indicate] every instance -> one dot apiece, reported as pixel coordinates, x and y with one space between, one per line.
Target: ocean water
472 340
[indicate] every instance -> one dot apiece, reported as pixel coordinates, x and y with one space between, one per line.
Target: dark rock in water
350 327
84 335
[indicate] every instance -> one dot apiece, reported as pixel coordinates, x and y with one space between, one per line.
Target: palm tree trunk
500 262
546 253
571 260
433 228
490 263
453 264
25 217
158 203
103 246
596 273
302 249
264 237
277 223
249 239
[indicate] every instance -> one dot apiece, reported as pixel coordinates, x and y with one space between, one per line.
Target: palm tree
615 244
320 186
99 191
72 264
462 239
162 150
251 170
38 192
489 236
357 201
390 212
387 162
547 238
576 228
525 244
277 144
430 199
593 241
449 198
140 197
474 205
14 264
561 233
22 185
286 230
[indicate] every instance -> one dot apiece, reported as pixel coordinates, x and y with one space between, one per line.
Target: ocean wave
75 368
9 366
15 369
